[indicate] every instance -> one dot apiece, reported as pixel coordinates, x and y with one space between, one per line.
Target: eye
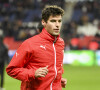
60 21
53 20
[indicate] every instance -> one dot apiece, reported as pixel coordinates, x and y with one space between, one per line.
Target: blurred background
80 31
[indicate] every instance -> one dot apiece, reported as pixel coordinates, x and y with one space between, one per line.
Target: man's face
53 25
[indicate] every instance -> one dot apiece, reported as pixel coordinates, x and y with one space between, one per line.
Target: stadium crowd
19 18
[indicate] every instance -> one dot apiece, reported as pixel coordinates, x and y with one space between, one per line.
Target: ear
43 23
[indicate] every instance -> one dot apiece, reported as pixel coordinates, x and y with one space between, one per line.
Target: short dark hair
51 10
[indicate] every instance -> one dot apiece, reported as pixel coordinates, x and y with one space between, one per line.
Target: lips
56 29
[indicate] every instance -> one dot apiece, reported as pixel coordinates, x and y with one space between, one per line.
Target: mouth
56 30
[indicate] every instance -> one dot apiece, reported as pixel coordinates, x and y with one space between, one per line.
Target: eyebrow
56 20
52 20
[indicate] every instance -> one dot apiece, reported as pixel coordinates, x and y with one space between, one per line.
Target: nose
57 24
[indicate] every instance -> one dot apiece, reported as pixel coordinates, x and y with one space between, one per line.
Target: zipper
54 66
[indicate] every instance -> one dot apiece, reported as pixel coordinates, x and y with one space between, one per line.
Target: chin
55 34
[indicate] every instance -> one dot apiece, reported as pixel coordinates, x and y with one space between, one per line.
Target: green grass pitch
79 78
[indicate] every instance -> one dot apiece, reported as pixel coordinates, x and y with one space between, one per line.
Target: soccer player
38 62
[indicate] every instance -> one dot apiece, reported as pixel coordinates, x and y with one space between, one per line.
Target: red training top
38 51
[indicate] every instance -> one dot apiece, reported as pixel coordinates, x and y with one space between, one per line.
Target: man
3 58
38 61
39 27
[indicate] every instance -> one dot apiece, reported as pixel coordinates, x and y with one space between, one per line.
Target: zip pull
55 40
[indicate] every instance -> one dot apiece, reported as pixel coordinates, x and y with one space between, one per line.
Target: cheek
60 25
50 27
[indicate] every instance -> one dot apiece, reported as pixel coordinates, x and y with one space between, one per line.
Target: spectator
39 27
87 28
3 59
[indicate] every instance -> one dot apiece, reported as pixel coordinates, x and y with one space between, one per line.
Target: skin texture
63 82
41 72
53 26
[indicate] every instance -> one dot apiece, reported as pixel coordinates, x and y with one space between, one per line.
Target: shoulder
61 40
31 39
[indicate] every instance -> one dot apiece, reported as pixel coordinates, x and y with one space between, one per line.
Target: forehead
57 17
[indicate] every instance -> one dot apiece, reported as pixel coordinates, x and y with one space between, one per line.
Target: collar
44 34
